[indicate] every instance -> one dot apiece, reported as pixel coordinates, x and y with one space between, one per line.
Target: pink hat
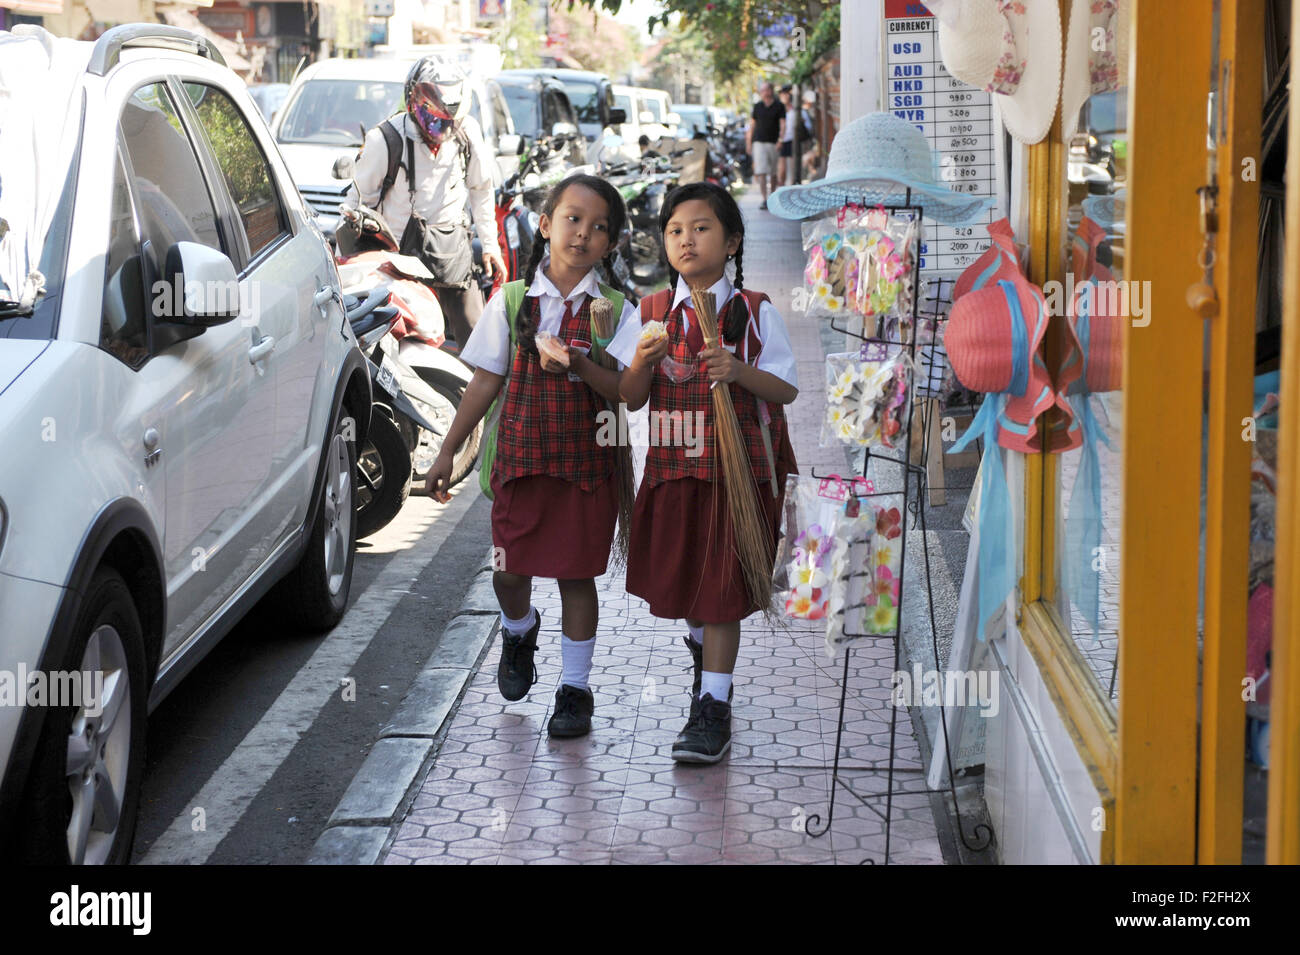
1096 333
998 261
994 341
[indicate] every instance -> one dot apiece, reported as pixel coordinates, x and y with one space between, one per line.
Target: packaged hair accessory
813 508
866 396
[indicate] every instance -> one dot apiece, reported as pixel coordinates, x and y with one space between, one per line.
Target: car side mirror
204 287
343 167
645 117
510 144
563 129
617 116
673 119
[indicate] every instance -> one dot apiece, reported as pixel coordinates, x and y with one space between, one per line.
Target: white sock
697 635
717 685
518 627
576 657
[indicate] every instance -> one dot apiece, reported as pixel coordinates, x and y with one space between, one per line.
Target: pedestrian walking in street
438 139
554 483
682 557
766 129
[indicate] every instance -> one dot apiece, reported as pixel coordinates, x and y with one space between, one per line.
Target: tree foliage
731 28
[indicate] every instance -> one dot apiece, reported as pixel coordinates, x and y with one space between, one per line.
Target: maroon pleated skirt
681 552
549 527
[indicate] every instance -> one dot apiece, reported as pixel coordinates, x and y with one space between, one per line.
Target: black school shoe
697 661
516 672
707 735
573 709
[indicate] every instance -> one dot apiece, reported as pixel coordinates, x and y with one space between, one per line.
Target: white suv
180 401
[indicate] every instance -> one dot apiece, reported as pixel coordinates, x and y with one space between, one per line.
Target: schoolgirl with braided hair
682 557
555 480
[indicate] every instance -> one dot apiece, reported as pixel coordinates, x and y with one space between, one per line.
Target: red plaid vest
548 423
667 458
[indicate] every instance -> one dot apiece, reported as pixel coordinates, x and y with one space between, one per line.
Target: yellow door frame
1239 104
1283 845
1145 755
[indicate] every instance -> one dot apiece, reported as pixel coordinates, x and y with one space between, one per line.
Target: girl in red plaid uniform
555 493
681 556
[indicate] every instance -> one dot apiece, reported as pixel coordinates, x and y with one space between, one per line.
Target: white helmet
447 78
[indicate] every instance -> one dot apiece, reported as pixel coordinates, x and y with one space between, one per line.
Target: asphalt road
250 754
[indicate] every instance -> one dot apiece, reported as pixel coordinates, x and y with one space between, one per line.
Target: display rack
915 479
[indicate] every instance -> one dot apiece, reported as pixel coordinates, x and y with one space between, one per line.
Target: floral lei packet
866 396
803 575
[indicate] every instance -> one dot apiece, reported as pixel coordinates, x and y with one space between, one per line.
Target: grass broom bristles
603 322
752 536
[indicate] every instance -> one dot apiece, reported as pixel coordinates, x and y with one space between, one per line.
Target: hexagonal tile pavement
500 791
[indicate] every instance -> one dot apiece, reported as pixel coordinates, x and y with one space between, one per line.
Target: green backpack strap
598 344
514 292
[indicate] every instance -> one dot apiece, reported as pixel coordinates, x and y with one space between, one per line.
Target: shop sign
957 120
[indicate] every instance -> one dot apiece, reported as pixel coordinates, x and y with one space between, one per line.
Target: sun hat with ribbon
994 337
999 261
994 341
1096 54
1012 49
875 160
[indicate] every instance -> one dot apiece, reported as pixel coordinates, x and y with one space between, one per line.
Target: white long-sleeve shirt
440 190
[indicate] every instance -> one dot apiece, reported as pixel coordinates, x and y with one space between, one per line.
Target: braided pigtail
524 323
737 317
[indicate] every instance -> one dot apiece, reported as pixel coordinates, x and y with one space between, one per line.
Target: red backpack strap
754 299
655 307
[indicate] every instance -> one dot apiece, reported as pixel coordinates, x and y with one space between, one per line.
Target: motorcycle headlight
534 220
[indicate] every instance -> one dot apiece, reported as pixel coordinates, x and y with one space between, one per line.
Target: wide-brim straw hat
994 341
1096 54
1012 49
876 160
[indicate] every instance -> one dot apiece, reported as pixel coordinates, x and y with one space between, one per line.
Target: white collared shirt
777 356
489 344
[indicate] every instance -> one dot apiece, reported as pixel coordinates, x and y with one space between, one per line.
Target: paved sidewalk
501 791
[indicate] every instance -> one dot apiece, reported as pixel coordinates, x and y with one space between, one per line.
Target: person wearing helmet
436 137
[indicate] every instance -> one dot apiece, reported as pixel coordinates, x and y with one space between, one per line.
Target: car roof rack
108 48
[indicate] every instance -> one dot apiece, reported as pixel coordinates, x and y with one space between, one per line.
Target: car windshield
585 98
24 238
336 112
522 101
693 118
625 104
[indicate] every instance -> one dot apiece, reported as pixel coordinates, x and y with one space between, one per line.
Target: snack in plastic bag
653 331
548 346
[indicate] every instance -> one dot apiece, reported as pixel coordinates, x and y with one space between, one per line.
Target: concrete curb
360 827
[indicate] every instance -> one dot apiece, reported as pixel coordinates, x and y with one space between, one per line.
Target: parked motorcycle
518 212
418 342
644 186
384 461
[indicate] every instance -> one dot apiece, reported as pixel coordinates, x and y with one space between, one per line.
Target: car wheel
383 475
83 790
314 595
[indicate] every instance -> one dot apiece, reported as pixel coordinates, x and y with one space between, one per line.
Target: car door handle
263 348
324 295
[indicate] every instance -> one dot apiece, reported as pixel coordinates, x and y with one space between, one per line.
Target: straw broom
752 538
602 323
